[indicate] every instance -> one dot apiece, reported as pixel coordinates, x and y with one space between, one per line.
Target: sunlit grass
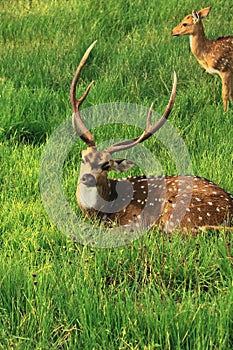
159 292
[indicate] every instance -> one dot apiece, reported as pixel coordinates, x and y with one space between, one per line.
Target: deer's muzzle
88 180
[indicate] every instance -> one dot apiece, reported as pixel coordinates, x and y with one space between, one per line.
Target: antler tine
150 129
78 125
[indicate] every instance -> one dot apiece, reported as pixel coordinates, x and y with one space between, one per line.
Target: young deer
216 56
185 202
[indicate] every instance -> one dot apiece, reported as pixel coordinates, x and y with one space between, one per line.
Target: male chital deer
185 202
216 56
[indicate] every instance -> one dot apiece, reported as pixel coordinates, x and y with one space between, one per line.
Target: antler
150 129
86 135
77 122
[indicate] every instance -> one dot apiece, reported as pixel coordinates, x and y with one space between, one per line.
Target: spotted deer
169 202
216 56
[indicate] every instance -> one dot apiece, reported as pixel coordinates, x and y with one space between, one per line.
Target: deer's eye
105 166
184 25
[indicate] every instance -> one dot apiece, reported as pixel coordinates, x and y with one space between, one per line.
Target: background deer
185 202
216 56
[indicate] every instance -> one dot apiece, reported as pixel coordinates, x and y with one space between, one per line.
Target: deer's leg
226 88
231 91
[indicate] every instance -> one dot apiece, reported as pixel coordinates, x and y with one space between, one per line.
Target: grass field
158 292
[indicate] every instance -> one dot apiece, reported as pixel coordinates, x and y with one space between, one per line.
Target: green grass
158 292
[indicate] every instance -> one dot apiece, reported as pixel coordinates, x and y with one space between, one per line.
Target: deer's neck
199 43
94 197
108 198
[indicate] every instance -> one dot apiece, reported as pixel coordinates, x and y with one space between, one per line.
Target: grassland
158 292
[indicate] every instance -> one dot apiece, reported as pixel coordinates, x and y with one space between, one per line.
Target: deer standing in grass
216 56
183 202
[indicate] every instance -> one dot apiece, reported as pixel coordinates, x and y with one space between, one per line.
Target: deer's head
190 24
95 164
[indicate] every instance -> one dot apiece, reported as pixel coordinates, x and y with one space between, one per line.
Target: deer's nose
88 180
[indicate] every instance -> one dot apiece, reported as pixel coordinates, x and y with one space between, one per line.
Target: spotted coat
169 202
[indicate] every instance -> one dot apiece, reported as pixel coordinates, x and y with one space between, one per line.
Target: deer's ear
204 12
121 164
196 17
